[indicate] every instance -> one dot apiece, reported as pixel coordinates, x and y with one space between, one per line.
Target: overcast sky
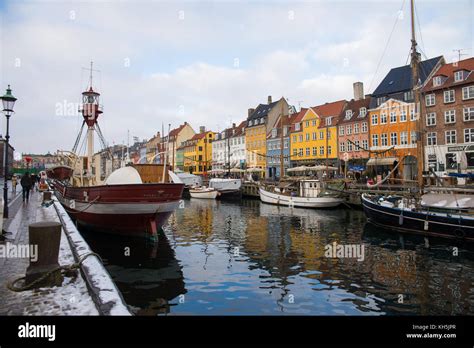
200 61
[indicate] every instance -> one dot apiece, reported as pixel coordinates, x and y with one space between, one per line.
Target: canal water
251 258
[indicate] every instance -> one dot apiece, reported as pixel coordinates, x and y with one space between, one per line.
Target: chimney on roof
250 111
185 123
202 129
269 99
358 90
233 125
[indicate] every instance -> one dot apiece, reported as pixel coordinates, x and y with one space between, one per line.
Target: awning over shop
386 161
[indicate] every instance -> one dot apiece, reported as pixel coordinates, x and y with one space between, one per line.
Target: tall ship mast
134 200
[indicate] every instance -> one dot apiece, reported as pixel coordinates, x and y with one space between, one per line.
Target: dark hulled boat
394 213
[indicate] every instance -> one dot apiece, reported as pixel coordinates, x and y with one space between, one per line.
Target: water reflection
258 259
147 273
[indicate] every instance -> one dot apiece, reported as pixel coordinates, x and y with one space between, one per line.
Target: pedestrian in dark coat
26 184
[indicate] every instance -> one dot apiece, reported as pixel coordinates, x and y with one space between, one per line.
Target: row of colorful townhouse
371 133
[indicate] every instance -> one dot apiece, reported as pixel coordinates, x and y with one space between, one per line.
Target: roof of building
239 130
262 110
295 118
355 106
448 70
333 109
400 79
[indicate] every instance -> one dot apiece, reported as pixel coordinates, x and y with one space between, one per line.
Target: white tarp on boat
190 179
448 200
225 184
125 175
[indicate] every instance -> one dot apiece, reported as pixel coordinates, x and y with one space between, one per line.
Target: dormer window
348 114
250 122
459 76
261 121
274 133
437 81
328 121
297 126
362 112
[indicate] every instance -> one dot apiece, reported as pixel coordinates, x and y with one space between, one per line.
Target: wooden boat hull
59 173
203 194
419 222
302 202
129 209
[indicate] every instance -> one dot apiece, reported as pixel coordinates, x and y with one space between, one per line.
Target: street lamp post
8 101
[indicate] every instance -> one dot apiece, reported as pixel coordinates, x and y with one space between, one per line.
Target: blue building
274 143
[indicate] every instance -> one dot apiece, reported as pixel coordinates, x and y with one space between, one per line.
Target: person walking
14 183
26 184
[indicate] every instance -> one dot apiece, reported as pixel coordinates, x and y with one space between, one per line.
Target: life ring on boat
459 232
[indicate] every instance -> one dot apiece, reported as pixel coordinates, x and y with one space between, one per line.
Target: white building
228 148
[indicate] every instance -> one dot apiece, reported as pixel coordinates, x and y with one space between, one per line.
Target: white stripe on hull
303 202
117 208
203 195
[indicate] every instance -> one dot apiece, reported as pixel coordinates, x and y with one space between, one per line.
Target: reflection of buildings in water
147 274
194 221
431 278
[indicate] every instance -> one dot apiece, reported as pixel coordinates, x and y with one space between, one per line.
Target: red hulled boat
134 200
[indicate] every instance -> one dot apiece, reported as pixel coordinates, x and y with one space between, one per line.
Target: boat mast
228 151
282 167
415 61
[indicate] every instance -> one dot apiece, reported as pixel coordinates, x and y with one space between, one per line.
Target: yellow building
259 122
313 137
198 153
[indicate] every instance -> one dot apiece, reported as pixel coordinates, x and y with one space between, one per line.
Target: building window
314 136
274 133
468 114
431 136
468 92
321 134
430 99
342 147
294 138
384 139
380 100
412 114
341 130
413 137
295 152
315 151
451 161
469 135
321 150
307 136
404 138
449 96
375 120
383 118
356 128
458 76
314 123
328 121
393 117
307 124
364 127
357 145
328 134
349 146
297 127
431 119
375 140
450 116
393 139
300 152
348 114
450 136
301 138
365 144
437 81
403 116
307 151
408 96
349 129
362 112
329 150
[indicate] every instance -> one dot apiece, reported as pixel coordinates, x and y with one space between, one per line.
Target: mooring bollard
46 237
46 196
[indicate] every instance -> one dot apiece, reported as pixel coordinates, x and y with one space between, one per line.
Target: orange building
393 138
